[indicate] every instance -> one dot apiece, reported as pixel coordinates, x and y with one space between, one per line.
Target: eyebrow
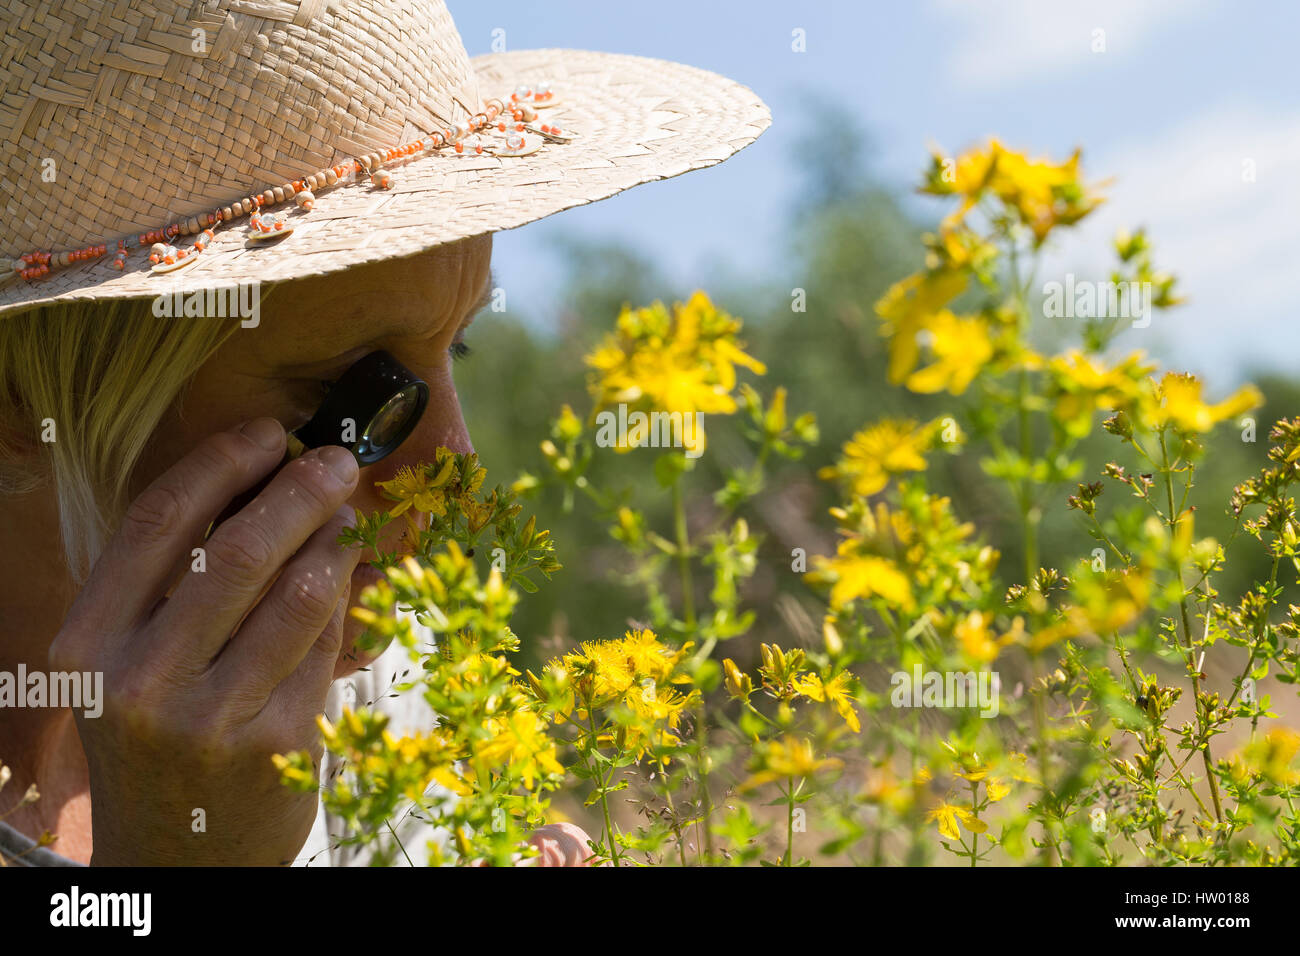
345 358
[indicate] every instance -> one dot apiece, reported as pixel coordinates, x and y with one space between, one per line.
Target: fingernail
266 432
340 461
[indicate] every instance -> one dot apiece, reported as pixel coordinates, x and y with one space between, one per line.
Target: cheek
215 401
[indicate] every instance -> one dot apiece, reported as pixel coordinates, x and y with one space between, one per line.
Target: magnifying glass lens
391 422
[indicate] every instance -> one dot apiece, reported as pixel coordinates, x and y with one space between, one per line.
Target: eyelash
458 351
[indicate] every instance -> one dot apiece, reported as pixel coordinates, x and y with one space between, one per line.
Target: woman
341 166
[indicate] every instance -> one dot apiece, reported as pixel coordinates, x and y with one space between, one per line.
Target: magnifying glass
370 410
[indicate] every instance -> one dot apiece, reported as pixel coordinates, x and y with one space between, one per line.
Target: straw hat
146 120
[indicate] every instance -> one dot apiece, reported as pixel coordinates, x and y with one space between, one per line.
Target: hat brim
637 120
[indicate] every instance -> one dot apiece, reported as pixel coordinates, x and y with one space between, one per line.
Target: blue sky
1187 96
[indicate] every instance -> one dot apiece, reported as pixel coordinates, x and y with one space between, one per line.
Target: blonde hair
103 374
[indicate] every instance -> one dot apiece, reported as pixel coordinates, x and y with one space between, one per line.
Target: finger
248 550
161 526
301 696
562 844
548 852
297 628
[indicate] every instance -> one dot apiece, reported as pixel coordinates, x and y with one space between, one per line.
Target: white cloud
1231 242
1006 40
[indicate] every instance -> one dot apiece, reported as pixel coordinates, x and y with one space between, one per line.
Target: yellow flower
600 671
1040 193
972 632
1085 385
655 715
996 790
418 488
683 360
788 757
1271 756
957 249
649 658
961 347
836 692
1181 405
975 771
870 457
604 671
739 684
947 816
430 756
864 576
908 308
567 427
520 740
1044 194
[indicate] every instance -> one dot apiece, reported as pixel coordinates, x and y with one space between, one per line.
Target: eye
459 350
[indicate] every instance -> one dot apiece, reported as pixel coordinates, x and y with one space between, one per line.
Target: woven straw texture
144 132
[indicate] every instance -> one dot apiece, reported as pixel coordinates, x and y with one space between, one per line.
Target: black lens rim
360 394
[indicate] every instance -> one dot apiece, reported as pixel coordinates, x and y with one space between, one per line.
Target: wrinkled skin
192 714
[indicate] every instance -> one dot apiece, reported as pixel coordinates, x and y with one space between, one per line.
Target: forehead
408 299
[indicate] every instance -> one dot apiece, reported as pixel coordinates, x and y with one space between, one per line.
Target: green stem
683 555
672 811
974 809
601 782
702 761
789 821
1030 518
1187 636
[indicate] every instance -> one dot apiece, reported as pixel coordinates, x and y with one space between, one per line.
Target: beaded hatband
522 112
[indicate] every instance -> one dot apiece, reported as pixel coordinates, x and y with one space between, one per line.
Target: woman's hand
558 844
561 844
207 673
